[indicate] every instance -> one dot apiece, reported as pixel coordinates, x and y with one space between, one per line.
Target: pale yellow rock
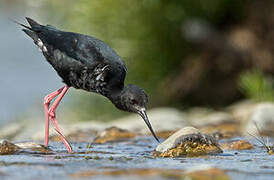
175 139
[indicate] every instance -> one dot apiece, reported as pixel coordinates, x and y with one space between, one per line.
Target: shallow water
245 164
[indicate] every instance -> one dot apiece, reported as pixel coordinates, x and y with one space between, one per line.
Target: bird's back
82 61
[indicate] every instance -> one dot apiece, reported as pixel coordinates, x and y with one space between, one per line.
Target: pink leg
51 114
47 101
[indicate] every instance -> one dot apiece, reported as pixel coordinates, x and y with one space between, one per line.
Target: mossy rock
189 142
7 147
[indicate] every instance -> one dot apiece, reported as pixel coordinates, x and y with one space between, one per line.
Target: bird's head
133 99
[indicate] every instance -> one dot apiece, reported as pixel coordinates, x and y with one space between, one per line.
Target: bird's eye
133 101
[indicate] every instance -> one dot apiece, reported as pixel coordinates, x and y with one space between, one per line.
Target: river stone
176 138
242 110
188 141
113 134
263 116
7 147
32 146
237 145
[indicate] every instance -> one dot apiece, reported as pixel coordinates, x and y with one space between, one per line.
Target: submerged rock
113 134
237 145
188 141
7 147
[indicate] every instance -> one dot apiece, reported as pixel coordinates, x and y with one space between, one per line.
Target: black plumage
84 62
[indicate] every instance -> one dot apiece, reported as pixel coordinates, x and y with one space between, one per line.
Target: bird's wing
85 49
82 48
68 51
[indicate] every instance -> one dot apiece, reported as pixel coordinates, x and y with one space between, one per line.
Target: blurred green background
184 53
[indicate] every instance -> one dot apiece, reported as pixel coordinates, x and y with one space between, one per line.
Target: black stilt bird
84 62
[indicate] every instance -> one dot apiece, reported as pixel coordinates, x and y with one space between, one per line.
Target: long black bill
143 114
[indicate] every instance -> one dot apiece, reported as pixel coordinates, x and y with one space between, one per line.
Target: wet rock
80 135
237 145
263 116
31 146
113 134
175 139
188 141
7 147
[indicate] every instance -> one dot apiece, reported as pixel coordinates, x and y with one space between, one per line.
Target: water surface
245 164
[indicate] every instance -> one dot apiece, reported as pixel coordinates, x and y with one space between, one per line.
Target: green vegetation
255 85
147 34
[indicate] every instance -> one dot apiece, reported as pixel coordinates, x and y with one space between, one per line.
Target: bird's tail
32 30
35 26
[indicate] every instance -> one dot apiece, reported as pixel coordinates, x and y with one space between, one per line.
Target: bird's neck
116 98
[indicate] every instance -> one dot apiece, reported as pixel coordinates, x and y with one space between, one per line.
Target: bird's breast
94 80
